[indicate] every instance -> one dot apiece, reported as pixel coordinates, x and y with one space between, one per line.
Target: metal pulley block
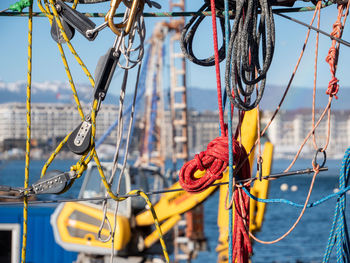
80 140
56 32
77 20
104 73
55 182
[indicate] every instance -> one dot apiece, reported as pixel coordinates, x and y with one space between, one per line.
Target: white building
52 122
289 129
48 122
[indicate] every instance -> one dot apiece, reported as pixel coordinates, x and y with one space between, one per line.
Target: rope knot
337 29
333 87
330 59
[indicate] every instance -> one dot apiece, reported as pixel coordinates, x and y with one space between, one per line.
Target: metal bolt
58 8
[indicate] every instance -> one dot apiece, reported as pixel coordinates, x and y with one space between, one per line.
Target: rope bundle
214 160
242 65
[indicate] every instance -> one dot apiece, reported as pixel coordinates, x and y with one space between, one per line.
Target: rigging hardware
135 7
56 32
104 72
79 141
76 19
314 161
55 182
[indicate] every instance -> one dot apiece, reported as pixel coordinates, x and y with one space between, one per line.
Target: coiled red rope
215 161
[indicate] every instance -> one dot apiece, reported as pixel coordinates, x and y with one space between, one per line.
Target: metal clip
77 20
135 7
80 140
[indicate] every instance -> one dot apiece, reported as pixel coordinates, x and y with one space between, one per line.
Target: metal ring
314 161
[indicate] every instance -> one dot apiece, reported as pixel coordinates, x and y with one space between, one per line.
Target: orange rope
316 170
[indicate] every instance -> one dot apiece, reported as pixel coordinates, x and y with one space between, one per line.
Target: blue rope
142 88
288 202
339 236
230 183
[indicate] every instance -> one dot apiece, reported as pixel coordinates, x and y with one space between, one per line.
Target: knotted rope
333 53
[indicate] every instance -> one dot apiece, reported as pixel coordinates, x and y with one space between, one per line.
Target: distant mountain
296 98
198 99
48 92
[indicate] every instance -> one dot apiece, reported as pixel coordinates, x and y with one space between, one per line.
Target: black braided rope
252 36
188 33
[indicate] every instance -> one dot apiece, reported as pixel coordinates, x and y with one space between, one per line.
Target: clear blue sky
47 64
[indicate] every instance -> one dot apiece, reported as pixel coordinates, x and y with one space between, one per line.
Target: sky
47 65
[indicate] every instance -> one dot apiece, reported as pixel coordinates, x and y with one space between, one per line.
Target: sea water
306 243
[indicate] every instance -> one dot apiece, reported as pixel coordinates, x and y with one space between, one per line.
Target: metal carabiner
109 17
135 7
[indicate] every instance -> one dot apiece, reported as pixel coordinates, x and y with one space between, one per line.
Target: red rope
215 161
242 247
215 158
333 53
217 67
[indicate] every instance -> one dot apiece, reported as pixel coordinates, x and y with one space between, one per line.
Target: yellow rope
28 106
53 155
81 165
156 223
70 46
66 67
75 4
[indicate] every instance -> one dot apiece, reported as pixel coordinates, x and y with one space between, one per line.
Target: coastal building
50 123
290 128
